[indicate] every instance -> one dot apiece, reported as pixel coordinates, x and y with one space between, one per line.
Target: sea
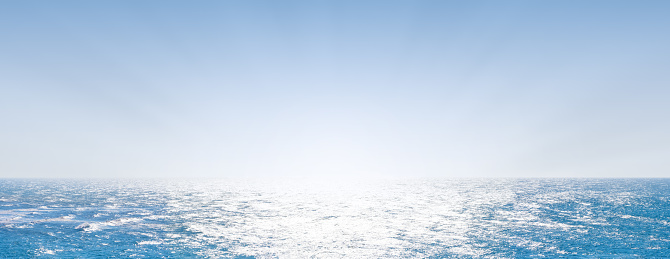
335 218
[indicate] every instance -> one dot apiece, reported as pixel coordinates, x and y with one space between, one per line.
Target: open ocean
420 218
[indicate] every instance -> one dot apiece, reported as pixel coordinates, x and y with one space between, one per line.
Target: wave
95 226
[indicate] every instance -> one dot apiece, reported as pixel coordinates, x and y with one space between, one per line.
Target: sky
334 88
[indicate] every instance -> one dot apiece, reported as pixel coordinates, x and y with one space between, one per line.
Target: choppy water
429 218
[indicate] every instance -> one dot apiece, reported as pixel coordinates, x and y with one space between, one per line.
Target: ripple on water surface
429 218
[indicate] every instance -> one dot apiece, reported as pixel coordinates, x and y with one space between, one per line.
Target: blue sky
335 88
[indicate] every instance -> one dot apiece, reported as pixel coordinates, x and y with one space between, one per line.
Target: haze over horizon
334 88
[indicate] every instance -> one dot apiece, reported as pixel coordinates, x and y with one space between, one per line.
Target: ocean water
408 218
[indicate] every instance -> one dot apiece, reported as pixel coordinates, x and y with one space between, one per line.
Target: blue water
426 218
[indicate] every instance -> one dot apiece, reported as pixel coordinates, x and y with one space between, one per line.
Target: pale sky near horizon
335 88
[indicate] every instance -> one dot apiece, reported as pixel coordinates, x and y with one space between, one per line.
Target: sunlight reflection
306 218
